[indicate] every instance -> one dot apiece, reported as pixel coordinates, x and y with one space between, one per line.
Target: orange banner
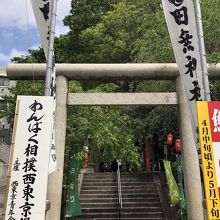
208 159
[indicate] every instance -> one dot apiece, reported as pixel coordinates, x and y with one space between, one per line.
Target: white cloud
63 9
14 52
5 58
35 47
14 14
10 34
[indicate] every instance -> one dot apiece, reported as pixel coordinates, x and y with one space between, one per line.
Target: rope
29 37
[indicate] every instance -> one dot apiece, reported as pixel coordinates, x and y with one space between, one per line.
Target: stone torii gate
66 72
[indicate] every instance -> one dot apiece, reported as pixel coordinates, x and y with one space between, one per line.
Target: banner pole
50 79
11 160
50 57
202 50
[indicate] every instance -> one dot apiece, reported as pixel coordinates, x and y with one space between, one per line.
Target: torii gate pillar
192 180
55 182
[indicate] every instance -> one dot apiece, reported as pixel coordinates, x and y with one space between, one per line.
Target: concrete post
54 193
192 180
1 171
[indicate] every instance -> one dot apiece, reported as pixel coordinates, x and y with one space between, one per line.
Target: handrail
3 182
4 153
119 185
5 145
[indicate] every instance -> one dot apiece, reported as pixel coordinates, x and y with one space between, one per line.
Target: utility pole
50 56
50 91
202 50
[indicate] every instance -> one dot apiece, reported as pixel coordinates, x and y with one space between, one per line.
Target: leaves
110 130
21 88
118 31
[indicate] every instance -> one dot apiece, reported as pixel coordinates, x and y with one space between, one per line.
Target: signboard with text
209 135
29 174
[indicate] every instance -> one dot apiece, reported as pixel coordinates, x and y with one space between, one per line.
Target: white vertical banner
29 170
42 9
181 22
42 12
53 160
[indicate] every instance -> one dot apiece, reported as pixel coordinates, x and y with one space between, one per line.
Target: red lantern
178 147
169 139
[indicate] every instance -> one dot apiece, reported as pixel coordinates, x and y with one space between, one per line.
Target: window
4 81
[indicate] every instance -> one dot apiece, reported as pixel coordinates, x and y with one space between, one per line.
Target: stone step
115 175
142 214
121 173
143 189
125 215
115 183
102 176
124 200
124 210
121 218
136 176
100 191
2 198
98 176
125 204
94 196
141 204
114 195
1 211
115 188
110 183
115 191
99 183
89 176
99 216
2 195
99 197
136 181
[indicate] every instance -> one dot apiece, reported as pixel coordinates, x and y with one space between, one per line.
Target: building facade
5 84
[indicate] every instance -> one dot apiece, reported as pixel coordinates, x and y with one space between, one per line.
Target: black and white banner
181 22
42 12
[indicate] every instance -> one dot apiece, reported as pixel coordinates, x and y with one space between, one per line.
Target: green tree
211 21
122 32
34 56
83 14
110 130
21 88
111 40
134 31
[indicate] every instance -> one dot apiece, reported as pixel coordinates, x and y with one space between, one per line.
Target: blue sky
18 30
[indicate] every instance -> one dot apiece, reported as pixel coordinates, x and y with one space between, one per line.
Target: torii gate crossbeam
110 72
148 71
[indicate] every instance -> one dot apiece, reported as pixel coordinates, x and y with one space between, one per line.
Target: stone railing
4 153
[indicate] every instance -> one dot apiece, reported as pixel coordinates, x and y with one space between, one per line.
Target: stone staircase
99 197
4 160
2 195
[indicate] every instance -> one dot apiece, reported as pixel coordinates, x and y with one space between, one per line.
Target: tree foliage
21 88
119 31
109 128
